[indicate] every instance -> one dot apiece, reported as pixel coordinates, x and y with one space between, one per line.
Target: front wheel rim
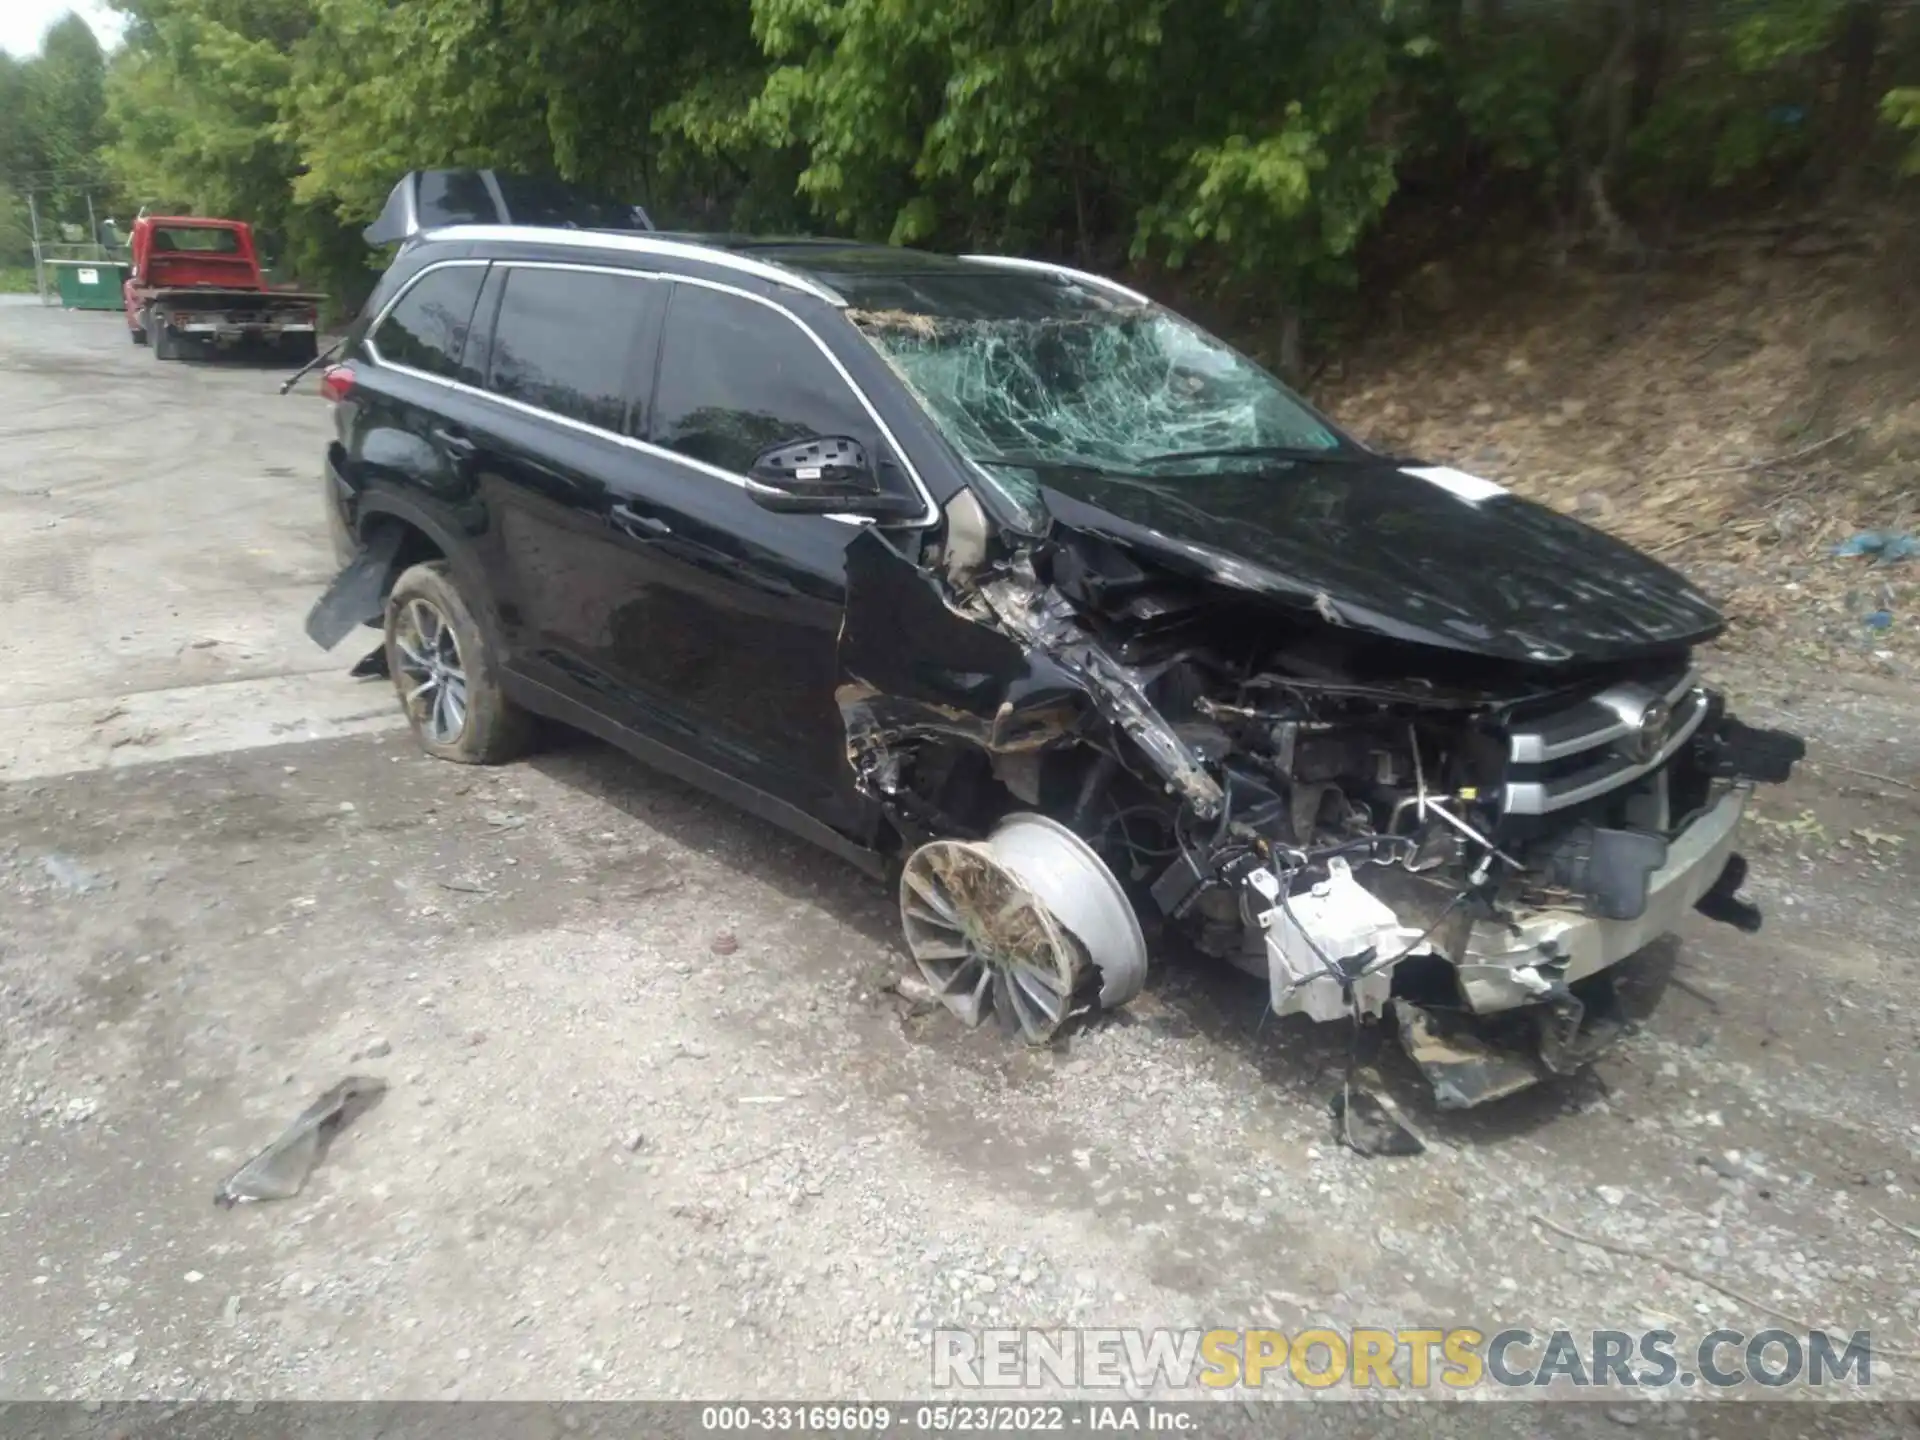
433 676
985 944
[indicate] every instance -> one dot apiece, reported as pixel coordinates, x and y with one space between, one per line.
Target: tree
52 115
199 99
1255 144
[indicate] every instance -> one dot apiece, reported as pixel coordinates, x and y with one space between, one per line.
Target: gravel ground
658 1124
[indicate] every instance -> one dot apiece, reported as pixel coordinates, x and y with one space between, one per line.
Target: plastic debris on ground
1364 1123
1880 620
372 665
280 1171
1886 546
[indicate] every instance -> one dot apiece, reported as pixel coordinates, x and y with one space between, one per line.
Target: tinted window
737 377
564 341
427 330
534 200
455 197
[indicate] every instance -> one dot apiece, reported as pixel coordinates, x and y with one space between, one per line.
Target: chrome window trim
638 245
380 318
929 515
1065 272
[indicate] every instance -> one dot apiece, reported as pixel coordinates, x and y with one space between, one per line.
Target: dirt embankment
1737 405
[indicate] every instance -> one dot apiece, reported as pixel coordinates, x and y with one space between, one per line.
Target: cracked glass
1059 375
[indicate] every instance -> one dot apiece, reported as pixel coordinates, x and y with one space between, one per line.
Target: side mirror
828 475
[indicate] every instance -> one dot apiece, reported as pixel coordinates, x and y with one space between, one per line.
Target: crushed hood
1433 558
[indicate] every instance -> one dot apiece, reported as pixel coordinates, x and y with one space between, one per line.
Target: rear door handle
456 443
641 527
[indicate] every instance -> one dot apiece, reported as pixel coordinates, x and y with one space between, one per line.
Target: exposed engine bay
1082 747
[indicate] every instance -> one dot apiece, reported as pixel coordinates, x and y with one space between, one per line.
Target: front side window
427 328
564 342
737 377
1038 370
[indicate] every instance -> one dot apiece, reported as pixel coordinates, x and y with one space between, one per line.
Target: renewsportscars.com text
1443 1359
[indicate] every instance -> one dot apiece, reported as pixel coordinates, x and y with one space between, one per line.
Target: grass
16 280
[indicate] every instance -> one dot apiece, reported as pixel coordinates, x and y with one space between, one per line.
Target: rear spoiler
428 199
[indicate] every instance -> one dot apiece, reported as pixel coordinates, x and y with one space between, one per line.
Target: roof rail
1067 272
642 245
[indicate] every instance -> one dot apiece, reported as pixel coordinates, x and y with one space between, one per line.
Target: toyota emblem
1648 731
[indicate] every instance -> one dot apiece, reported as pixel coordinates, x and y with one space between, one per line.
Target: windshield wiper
1016 461
1247 452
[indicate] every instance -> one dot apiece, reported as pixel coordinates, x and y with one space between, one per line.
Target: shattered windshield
1034 370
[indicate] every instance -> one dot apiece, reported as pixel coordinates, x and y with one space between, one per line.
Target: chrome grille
1597 744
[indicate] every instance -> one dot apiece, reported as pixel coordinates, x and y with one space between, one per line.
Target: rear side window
737 377
427 329
564 342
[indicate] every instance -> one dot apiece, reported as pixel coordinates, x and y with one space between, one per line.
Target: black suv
999 575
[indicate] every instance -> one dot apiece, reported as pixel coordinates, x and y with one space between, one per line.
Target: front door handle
456 443
641 527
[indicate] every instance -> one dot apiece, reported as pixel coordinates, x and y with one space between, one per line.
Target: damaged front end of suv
1410 747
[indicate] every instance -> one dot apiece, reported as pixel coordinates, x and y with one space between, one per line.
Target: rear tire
445 674
300 348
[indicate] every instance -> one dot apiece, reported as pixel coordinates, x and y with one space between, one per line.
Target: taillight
336 382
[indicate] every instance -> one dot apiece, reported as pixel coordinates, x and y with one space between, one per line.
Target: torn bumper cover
1504 964
1520 1017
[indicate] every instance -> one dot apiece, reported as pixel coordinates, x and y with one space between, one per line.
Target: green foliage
198 100
52 113
1256 142
16 231
1767 34
1901 108
1512 106
1290 198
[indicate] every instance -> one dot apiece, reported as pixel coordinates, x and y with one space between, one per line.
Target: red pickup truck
197 284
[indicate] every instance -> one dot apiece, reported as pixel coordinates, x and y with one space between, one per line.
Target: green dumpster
88 284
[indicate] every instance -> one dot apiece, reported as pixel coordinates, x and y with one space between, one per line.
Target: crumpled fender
912 667
914 664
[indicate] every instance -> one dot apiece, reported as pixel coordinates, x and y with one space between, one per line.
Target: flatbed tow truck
197 286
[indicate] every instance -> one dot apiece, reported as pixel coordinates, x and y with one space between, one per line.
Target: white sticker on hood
1456 482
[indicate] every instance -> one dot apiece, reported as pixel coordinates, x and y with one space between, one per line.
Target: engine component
1179 886
1323 948
1610 869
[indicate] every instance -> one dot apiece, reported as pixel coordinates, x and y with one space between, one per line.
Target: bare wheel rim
985 943
433 677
